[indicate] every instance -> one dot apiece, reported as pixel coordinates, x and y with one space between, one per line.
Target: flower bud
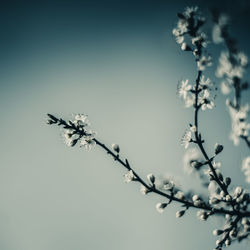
227 242
218 148
160 207
195 198
144 190
228 198
228 181
116 148
180 213
222 194
213 200
151 178
180 195
238 191
217 232
233 233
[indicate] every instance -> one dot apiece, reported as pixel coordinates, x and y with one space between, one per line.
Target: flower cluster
240 126
75 130
187 93
231 68
190 37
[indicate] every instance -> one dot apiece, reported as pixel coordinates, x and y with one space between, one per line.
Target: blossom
239 125
81 120
180 195
231 69
190 11
203 62
129 176
186 138
193 129
246 168
189 101
205 82
183 89
225 89
200 40
205 101
168 184
87 142
69 138
202 215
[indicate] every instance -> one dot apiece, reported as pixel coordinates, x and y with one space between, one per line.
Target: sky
116 61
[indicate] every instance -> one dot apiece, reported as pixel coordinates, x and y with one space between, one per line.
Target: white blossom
239 125
225 89
189 101
184 88
189 11
246 168
205 82
186 138
203 62
201 39
87 142
193 129
129 176
81 120
205 100
202 215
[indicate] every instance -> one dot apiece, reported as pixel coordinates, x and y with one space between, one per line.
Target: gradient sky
117 62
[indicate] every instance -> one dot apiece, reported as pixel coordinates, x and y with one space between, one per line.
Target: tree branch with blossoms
232 66
232 204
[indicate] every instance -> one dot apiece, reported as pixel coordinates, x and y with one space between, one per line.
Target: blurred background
116 61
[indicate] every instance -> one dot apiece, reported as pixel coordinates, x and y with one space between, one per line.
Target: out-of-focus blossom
246 168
